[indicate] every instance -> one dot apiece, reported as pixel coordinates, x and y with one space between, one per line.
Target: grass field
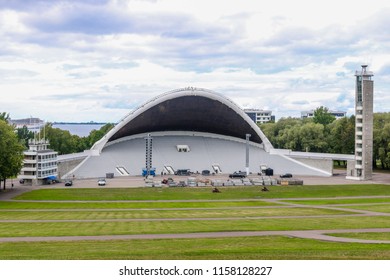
187 194
246 248
365 235
131 211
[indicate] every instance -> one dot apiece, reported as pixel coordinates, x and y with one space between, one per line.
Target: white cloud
97 58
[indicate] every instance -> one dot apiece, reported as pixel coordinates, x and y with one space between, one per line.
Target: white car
102 182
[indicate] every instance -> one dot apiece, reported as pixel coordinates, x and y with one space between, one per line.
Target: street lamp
247 136
148 154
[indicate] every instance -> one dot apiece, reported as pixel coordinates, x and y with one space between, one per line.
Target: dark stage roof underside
189 113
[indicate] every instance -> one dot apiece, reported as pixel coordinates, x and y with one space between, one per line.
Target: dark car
287 175
238 174
183 172
205 172
68 183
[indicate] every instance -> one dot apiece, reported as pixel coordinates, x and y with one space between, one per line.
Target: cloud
33 5
102 20
384 70
16 73
113 55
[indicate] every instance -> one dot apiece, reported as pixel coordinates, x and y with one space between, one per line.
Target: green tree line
324 134
64 142
13 141
11 151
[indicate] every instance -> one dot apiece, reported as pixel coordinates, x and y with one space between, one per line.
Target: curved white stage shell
211 127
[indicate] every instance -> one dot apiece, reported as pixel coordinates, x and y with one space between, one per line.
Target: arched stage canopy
187 109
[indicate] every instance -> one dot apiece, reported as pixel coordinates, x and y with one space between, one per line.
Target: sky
96 60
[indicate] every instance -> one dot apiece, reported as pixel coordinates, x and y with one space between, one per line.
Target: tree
270 130
381 147
322 116
24 135
96 135
11 153
283 133
289 138
342 136
61 141
312 137
4 116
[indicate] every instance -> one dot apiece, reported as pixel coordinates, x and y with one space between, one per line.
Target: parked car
205 172
68 183
286 175
239 174
102 182
183 172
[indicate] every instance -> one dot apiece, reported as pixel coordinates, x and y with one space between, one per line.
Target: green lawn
365 235
247 248
131 204
8 229
82 212
204 193
166 213
341 201
384 208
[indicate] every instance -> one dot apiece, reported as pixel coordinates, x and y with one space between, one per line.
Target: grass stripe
150 227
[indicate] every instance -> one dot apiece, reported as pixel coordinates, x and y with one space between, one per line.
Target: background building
260 116
33 124
336 114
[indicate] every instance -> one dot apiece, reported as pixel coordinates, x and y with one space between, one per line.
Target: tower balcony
30 153
24 169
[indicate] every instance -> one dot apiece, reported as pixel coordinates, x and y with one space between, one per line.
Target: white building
336 114
33 124
260 116
39 164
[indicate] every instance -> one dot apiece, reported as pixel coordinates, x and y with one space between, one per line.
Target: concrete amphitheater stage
206 150
194 129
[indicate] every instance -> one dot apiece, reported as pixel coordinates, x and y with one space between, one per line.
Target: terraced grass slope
292 222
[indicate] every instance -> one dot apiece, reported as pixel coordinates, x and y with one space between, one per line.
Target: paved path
10 193
308 234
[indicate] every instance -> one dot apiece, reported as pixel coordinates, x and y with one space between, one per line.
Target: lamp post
247 136
148 154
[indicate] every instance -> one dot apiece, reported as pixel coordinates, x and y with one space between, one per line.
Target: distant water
81 130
